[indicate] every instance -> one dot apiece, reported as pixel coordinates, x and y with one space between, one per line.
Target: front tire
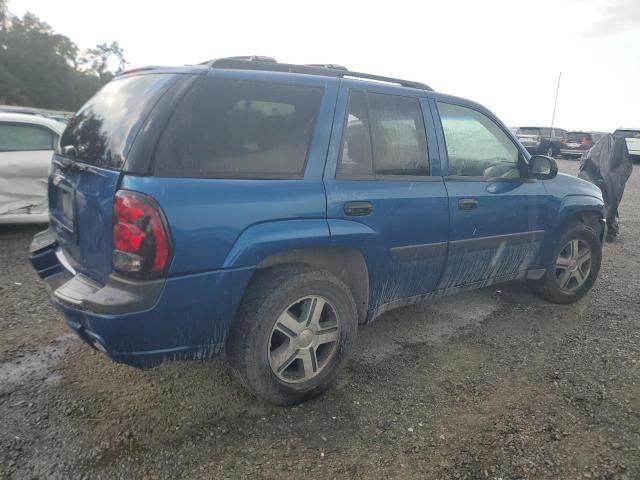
573 269
292 334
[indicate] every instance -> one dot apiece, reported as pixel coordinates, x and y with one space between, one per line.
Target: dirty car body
27 143
373 183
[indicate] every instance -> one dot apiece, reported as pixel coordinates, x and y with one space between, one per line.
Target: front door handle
467 203
357 209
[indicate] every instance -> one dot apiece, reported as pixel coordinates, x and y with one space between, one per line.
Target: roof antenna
555 102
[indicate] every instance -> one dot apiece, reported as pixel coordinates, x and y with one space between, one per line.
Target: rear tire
292 333
573 268
549 152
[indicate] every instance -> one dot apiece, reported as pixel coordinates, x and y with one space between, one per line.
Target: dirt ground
493 384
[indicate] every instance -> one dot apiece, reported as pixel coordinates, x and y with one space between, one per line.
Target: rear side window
385 134
16 137
104 129
227 128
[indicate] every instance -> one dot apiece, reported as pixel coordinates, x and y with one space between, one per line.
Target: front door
384 197
497 213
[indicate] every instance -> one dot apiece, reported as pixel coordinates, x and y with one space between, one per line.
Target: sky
506 55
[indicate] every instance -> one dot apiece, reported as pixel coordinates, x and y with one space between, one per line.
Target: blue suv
264 210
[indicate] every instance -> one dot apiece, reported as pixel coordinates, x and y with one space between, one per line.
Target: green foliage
44 69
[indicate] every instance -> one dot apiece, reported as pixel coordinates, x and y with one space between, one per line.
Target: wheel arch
348 264
581 209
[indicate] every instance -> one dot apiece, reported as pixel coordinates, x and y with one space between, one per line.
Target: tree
42 68
105 60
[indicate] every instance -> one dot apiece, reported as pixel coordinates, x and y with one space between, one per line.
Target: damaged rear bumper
142 323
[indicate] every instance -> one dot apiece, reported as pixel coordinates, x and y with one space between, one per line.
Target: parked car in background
27 143
576 144
632 136
265 210
58 115
541 140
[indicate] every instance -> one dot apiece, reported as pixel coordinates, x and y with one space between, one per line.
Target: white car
632 136
27 143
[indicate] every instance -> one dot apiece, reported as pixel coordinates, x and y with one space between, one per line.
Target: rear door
86 171
25 155
498 217
384 195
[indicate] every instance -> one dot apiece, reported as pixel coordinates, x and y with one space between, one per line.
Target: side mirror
543 167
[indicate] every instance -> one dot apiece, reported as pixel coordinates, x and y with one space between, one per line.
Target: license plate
573 145
64 205
67 207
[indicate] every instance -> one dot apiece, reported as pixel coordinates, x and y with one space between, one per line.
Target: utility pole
555 102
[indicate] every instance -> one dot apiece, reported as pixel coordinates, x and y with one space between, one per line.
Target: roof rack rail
328 70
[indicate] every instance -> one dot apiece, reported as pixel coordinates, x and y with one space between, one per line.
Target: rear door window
384 137
228 128
104 129
17 137
399 137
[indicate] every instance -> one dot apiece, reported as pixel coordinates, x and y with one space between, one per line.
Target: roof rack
255 62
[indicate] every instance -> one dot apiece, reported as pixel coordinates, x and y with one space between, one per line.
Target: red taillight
140 239
587 141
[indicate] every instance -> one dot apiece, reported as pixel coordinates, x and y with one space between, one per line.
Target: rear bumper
572 153
142 324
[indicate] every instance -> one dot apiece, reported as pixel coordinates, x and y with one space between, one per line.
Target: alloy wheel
304 339
573 265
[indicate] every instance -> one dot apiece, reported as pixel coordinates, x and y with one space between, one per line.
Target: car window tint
17 137
356 159
528 131
399 138
476 146
103 130
577 136
227 128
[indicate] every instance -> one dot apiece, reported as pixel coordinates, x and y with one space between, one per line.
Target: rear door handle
358 209
467 203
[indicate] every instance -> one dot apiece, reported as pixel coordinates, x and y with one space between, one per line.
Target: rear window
528 131
577 136
104 129
228 128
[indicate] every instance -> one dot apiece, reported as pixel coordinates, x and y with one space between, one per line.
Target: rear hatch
528 136
578 141
87 168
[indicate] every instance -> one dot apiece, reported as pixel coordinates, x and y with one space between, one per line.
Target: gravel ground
492 384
